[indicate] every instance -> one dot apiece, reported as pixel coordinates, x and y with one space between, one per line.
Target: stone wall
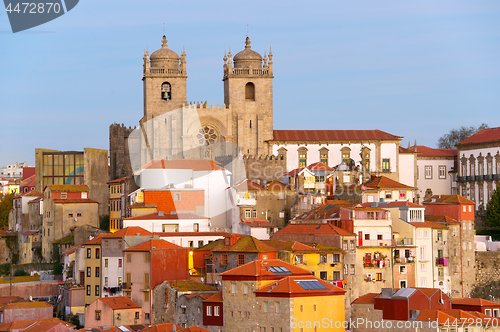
118 151
487 281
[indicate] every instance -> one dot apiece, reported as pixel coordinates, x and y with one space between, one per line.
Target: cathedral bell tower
164 80
248 92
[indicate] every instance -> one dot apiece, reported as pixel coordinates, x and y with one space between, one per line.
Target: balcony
377 243
404 242
404 260
442 261
460 178
127 287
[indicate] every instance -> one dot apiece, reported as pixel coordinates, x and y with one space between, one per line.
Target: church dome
164 57
247 58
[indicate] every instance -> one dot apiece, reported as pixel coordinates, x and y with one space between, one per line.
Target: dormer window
64 195
84 194
228 241
166 91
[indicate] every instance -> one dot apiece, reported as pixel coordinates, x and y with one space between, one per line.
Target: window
245 289
323 156
106 262
344 246
323 275
216 310
322 258
129 258
428 172
120 262
97 253
277 307
147 257
386 165
223 259
209 310
367 236
419 234
352 269
78 214
388 194
302 157
346 155
177 197
190 244
97 290
299 259
254 214
166 91
423 282
89 271
440 271
88 289
379 276
119 281
426 234
250 91
146 315
379 237
98 315
422 252
89 251
496 313
120 244
70 215
336 258
487 312
266 306
233 288
64 195
97 272
241 259
248 214
105 281
402 269
146 280
200 243
423 267
442 172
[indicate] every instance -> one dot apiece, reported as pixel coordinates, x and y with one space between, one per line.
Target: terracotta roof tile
190 285
260 268
194 164
243 244
259 223
215 297
332 135
128 231
154 243
26 305
319 166
247 185
475 302
291 246
448 199
167 216
439 219
366 299
425 151
382 182
119 302
120 179
485 135
289 287
178 234
75 200
324 229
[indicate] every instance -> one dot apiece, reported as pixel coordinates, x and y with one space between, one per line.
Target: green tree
493 210
455 136
104 224
6 205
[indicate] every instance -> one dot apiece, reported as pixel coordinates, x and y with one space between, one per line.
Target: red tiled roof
258 223
485 135
167 216
332 135
243 244
421 224
294 172
75 200
247 185
6 232
215 297
29 232
425 151
405 150
323 229
399 203
293 246
475 302
194 329
366 299
141 205
319 166
68 187
382 182
29 194
128 231
276 185
259 268
178 234
440 219
119 302
154 243
163 327
34 325
26 305
448 199
194 164
288 287
120 179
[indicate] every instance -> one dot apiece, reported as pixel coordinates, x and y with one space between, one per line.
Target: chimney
414 314
160 213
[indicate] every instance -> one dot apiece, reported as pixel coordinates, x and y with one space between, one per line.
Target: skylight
279 270
310 284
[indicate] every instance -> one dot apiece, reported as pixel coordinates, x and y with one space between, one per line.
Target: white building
191 239
178 222
479 166
14 171
435 171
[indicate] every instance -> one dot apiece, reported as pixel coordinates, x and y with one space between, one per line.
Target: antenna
164 28
247 30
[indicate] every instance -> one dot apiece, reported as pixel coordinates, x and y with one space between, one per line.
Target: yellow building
115 212
323 261
93 269
272 295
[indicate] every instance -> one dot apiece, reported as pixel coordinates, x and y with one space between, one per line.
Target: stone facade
462 258
487 282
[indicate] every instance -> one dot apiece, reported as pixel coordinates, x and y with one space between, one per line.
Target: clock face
207 135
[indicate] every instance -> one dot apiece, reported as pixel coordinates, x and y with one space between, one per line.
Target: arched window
166 91
346 155
302 157
323 156
250 91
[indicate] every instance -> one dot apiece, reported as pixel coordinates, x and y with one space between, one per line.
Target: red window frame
223 259
241 259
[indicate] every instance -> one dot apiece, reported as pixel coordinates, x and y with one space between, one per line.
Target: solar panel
329 207
137 327
310 284
279 270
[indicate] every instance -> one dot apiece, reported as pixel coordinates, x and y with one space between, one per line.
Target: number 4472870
34 8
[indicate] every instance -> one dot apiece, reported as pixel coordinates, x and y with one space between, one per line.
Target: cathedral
241 129
172 128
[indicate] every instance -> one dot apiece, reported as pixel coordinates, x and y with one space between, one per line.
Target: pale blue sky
412 68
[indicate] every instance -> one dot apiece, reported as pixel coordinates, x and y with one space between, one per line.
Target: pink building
24 311
111 311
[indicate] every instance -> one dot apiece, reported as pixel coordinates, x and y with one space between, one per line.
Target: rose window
207 136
